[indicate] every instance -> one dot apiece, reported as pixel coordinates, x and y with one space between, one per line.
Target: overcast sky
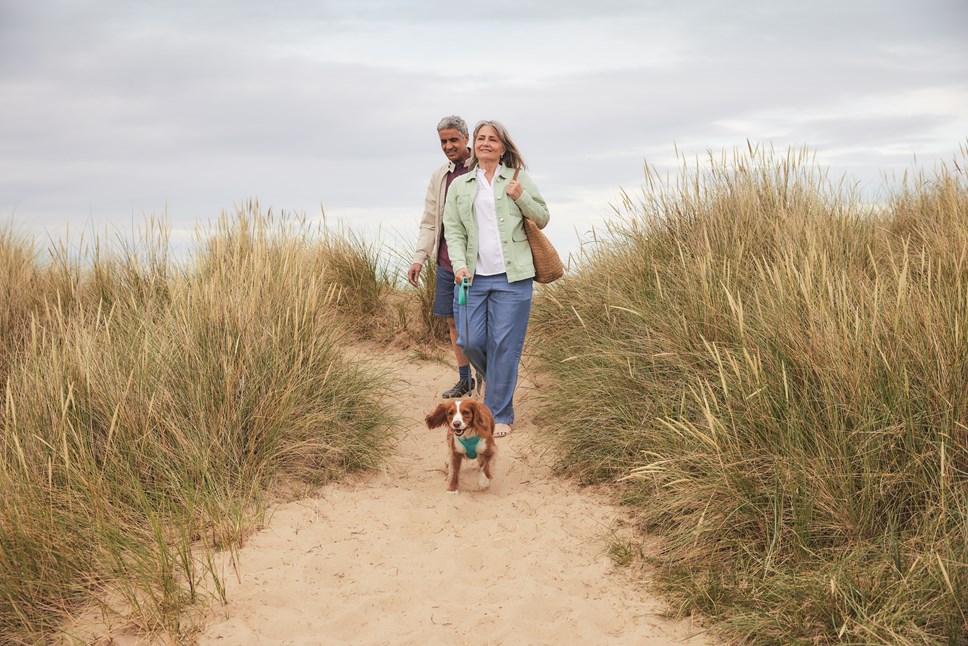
111 109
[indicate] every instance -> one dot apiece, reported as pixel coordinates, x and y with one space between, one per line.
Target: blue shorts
445 294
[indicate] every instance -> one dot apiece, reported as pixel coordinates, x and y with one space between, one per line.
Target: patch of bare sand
392 559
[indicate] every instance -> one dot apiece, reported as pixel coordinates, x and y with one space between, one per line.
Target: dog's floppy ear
437 417
483 414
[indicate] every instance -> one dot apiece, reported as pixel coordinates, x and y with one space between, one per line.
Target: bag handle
515 178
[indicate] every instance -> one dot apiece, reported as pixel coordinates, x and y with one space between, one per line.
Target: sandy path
392 559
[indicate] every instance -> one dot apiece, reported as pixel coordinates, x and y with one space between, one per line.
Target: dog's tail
479 386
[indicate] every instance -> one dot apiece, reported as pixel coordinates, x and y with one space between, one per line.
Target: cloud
112 108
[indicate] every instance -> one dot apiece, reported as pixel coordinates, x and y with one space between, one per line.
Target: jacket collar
503 172
451 166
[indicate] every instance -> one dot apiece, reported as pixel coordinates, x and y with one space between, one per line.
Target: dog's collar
470 446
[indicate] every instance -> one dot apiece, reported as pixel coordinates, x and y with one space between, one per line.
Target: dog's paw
483 483
454 492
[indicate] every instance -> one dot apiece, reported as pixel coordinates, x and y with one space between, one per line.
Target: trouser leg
472 325
508 311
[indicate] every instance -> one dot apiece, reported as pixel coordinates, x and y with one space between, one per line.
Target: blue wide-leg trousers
490 331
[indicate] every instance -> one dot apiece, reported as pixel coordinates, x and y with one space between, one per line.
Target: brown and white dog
470 436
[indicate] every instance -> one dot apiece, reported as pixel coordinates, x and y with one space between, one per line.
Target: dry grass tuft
148 407
777 380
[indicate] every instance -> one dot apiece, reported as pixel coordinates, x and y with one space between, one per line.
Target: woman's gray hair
453 122
512 156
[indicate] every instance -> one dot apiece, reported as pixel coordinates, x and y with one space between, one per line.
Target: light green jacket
460 222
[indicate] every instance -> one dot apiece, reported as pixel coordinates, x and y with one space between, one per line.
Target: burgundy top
443 257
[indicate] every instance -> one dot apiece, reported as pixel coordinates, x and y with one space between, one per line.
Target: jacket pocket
465 208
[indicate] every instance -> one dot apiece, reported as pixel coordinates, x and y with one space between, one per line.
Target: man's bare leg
463 387
452 327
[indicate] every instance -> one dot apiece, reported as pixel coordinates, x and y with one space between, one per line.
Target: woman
483 225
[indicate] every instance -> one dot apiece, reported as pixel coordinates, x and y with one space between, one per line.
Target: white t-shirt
490 255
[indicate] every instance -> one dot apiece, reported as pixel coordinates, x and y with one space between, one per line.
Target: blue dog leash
462 294
465 286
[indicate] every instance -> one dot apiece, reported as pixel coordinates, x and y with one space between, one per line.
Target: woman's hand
460 273
514 189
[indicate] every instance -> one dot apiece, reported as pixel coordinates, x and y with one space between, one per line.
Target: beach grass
149 406
774 376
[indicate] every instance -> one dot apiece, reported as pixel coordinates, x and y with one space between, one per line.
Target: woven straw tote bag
547 264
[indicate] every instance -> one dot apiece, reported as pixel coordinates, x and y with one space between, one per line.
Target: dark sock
465 373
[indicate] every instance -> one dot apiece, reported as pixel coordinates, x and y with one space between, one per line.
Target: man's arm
426 236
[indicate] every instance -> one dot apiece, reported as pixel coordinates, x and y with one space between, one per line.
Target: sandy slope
392 559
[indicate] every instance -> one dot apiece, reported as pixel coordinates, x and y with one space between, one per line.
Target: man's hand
414 273
460 273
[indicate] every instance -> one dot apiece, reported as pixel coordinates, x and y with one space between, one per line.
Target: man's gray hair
453 122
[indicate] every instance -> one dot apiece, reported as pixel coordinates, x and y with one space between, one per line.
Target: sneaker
460 389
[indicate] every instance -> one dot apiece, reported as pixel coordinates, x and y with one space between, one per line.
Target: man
431 244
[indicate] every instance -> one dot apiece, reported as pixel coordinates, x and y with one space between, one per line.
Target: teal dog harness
470 446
